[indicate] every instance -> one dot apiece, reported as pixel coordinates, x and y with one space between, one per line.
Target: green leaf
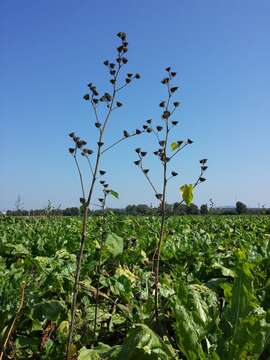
114 194
114 245
196 314
224 270
88 354
187 193
50 310
174 145
142 343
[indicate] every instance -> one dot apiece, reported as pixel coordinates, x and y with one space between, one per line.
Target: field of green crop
214 288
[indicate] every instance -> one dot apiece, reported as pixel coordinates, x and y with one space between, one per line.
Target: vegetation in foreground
214 288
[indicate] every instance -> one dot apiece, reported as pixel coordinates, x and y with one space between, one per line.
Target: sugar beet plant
166 151
103 106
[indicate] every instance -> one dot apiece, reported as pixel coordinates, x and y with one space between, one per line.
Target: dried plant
109 101
166 152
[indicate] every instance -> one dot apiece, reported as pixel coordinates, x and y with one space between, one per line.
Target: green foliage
214 287
187 193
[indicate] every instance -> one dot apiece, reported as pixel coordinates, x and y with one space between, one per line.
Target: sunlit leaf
187 193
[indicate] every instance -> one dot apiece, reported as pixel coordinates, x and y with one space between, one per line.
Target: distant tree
131 210
240 207
179 209
204 209
192 209
143 209
72 211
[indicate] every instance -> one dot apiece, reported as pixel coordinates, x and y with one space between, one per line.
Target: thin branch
179 149
90 165
80 174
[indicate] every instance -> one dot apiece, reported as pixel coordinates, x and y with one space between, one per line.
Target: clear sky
50 50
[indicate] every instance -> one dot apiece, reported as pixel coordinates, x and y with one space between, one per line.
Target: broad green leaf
50 310
196 314
224 270
143 344
88 354
114 244
187 193
174 145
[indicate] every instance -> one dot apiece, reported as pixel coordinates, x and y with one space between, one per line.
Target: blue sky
51 49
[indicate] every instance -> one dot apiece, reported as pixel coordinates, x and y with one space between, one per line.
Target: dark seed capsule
176 103
162 104
101 200
112 72
143 153
173 89
112 65
71 150
146 171
102 172
168 69
138 132
105 185
174 123
95 101
120 48
102 182
156 152
173 73
174 173
159 196
72 134
112 81
159 128
180 142
128 80
106 62
89 151
149 130
202 179
126 134
161 142
204 168
137 162
189 141
138 150
83 142
203 161
124 60
86 97
97 125
149 121
82 200
137 76
165 81
119 104
166 114
100 143
129 75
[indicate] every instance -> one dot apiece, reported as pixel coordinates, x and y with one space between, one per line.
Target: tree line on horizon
144 210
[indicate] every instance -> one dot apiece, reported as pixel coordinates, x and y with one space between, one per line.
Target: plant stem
84 225
163 213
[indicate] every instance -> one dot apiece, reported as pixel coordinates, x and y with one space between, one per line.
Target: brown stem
162 225
101 244
84 228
